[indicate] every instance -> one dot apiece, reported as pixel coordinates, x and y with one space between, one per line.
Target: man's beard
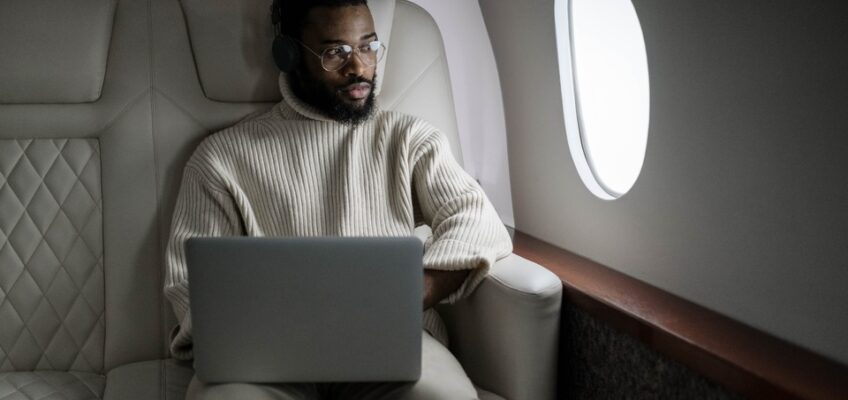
327 100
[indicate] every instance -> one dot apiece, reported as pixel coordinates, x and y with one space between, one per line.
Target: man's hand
439 284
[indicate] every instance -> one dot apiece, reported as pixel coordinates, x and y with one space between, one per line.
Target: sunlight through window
605 92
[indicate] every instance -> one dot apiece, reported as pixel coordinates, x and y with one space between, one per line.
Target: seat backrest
79 282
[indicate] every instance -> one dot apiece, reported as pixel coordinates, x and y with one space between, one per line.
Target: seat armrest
506 334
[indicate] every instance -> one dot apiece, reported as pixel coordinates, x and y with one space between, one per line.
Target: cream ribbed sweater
294 172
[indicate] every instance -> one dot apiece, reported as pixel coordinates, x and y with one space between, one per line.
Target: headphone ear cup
286 53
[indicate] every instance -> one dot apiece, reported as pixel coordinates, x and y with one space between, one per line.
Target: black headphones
285 49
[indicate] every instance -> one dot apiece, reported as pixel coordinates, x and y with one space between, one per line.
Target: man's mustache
355 81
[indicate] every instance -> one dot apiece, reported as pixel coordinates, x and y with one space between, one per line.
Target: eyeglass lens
336 57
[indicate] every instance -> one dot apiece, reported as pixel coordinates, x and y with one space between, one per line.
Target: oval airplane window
605 92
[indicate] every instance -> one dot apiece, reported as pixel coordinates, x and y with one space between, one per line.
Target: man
326 161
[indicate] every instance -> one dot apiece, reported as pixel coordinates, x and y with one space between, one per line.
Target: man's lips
357 91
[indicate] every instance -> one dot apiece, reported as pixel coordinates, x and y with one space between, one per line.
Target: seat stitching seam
79 178
79 238
87 337
15 225
405 92
44 234
126 108
80 288
181 108
25 328
6 183
86 382
162 381
78 295
156 177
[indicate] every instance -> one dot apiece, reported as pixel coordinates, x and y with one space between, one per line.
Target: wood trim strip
741 358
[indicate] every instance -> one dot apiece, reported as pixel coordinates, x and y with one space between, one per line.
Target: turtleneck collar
292 107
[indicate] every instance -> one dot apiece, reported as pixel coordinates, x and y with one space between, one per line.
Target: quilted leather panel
51 385
51 256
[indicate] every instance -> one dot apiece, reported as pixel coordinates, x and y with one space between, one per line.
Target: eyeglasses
336 57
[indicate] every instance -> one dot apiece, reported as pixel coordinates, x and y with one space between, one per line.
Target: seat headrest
54 51
231 42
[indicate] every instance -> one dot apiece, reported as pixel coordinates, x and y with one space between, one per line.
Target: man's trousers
442 377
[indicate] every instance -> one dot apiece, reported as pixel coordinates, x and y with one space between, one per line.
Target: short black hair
293 13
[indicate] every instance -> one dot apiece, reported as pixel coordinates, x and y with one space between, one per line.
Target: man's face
346 95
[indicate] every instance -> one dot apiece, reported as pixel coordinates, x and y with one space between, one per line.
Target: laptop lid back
306 309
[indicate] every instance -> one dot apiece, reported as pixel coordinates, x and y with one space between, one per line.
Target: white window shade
605 91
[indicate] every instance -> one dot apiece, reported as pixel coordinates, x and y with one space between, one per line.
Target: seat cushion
52 385
148 380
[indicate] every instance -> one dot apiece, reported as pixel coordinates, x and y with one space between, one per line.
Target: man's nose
355 66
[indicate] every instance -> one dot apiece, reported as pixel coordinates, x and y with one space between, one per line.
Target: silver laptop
306 309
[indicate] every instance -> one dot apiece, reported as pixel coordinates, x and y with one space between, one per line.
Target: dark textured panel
598 362
719 348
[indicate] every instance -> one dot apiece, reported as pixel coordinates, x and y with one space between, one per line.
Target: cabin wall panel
741 203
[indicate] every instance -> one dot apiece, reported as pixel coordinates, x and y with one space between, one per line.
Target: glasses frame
355 52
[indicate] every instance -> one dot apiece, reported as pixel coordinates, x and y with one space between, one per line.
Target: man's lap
442 377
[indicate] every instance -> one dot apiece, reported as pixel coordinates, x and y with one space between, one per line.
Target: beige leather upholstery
52 264
507 334
220 29
51 385
149 380
99 139
89 146
416 79
70 61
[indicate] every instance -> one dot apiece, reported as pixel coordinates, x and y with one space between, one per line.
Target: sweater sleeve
467 232
201 210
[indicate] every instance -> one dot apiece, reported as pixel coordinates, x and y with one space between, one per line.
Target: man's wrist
439 284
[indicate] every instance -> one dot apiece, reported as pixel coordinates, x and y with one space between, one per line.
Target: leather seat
80 291
101 103
156 379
